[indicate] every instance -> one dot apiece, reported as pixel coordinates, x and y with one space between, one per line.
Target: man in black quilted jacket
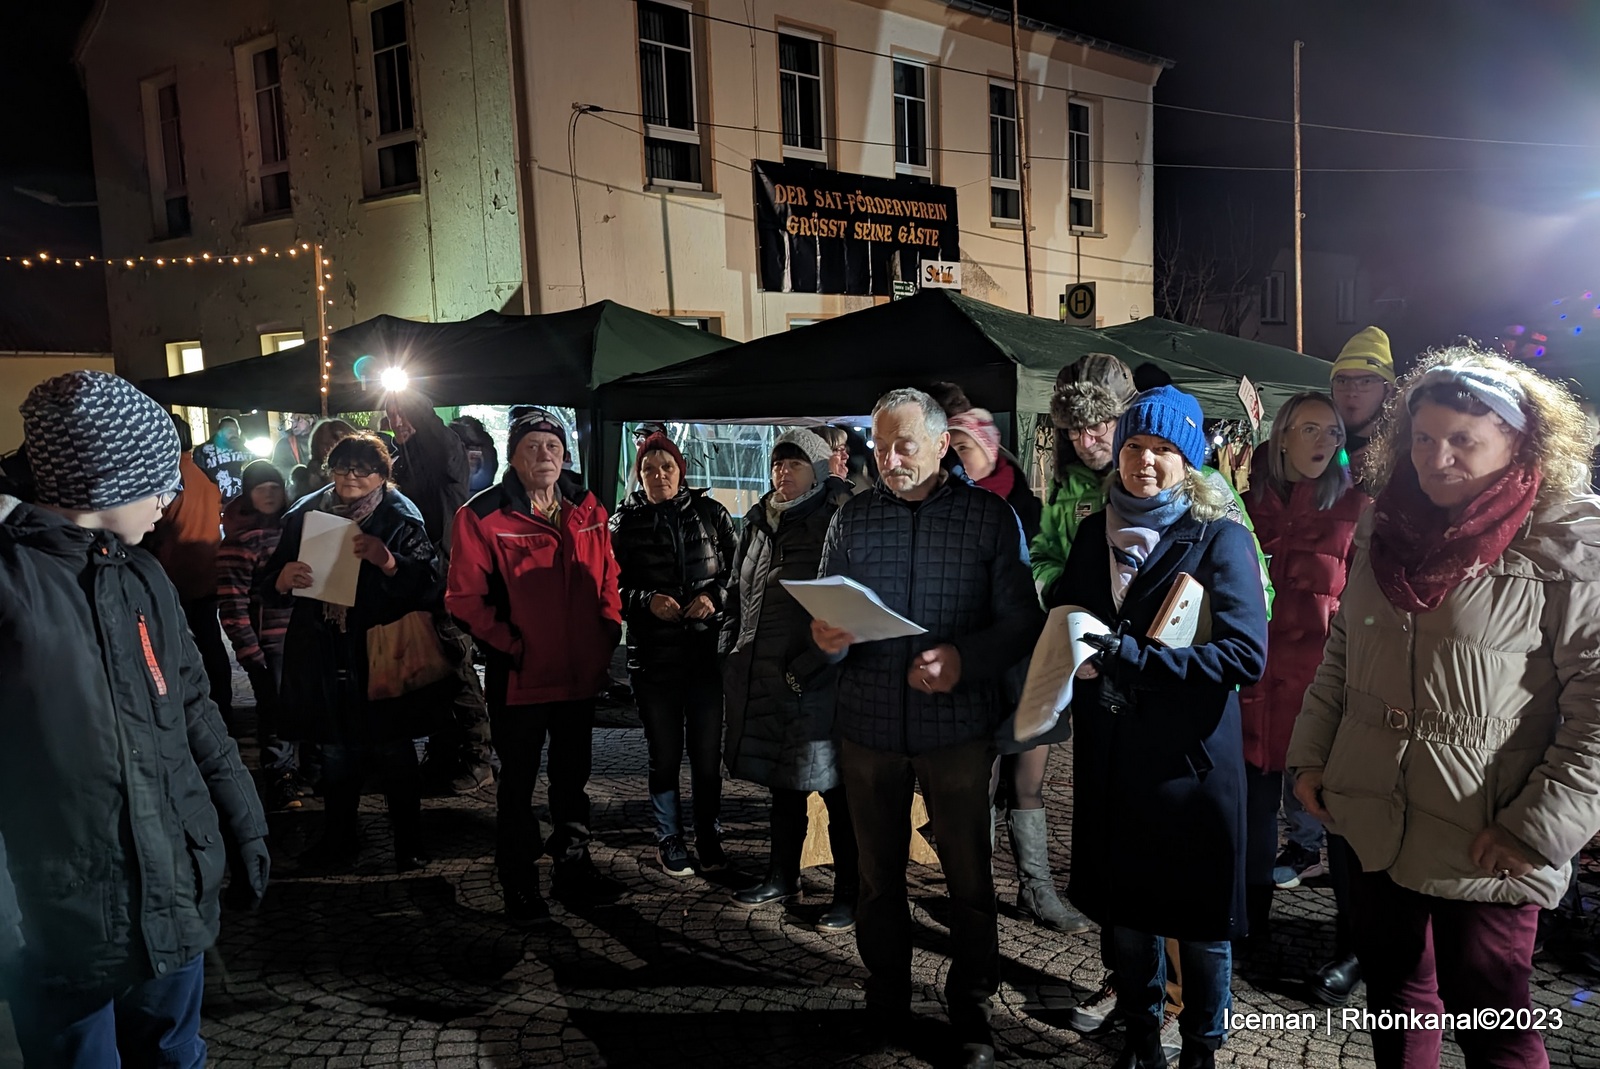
924 710
118 781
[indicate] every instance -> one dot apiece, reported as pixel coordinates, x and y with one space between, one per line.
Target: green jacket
1079 493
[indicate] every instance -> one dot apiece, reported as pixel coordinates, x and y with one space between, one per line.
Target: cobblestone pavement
374 969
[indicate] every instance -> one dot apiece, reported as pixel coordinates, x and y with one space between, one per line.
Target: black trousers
520 732
955 786
207 631
789 824
1263 797
683 710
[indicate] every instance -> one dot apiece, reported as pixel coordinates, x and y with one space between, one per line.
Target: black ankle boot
1333 984
1196 1056
776 888
1141 1050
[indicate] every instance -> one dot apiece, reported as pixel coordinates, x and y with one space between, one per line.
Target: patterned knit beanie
97 443
978 424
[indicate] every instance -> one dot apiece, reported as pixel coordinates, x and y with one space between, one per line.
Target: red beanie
661 443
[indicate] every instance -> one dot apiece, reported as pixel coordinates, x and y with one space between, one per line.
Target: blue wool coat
1159 805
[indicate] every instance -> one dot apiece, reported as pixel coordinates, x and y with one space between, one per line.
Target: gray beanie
811 445
97 443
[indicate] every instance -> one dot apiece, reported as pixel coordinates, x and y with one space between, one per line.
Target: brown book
1184 618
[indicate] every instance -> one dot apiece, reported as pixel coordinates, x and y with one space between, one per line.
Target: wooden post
1022 156
320 277
1299 216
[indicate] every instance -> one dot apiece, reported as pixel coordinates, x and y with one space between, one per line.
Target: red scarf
1001 480
1418 556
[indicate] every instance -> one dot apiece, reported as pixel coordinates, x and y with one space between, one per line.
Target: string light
45 258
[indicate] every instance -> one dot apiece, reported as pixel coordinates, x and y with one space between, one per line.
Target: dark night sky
1473 248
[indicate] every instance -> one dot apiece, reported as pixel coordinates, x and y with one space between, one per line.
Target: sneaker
1295 865
1171 1040
1095 1014
709 850
674 857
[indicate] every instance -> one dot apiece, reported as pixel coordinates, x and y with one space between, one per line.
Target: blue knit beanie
1166 412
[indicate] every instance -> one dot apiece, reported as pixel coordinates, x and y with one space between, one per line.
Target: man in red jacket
533 579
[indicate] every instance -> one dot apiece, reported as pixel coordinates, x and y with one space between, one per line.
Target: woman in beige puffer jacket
1452 734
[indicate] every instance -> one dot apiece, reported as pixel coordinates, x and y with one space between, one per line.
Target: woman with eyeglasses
1452 732
323 695
1305 511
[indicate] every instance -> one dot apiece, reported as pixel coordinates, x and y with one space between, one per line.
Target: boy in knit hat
118 782
1363 382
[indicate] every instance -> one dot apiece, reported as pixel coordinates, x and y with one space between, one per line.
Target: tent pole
1022 155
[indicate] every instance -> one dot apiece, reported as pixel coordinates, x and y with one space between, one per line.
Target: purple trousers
1436 955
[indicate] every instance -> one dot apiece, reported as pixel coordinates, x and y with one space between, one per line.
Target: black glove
251 869
1108 644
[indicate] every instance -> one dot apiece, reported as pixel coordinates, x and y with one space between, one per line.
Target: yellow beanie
1369 352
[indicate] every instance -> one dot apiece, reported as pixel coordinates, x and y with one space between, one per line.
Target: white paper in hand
328 544
842 602
1057 656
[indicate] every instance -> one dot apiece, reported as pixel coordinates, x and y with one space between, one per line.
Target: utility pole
1299 216
1022 155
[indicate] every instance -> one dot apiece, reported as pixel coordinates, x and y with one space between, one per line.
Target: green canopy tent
556 359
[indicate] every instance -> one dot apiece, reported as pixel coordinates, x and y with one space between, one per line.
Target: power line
597 110
1213 112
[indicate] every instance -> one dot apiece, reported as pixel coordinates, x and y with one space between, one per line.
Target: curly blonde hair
1556 441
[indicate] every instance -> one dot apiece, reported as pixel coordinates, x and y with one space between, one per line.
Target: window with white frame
802 92
1080 165
392 164
169 184
667 82
913 152
266 143
1005 186
1272 298
279 340
709 324
1345 302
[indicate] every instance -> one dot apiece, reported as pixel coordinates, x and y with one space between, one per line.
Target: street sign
1079 304
1251 399
941 274
904 289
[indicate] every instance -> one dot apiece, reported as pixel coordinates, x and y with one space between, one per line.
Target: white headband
1500 395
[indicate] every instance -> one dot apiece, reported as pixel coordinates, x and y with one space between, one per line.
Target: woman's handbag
405 656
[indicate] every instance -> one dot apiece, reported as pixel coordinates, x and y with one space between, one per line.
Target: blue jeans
1140 980
151 1025
1305 830
683 710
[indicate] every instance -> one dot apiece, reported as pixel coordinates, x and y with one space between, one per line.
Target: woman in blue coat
1159 761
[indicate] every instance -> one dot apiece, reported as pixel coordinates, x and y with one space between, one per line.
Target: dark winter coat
116 765
681 548
779 688
1309 552
1159 779
431 469
954 564
323 696
540 597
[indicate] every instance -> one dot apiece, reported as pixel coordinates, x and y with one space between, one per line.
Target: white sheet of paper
328 544
843 602
1057 657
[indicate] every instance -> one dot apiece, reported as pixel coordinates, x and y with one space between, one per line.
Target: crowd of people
1395 659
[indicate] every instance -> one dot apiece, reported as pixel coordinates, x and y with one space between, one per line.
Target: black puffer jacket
779 687
324 691
115 766
431 468
954 565
681 548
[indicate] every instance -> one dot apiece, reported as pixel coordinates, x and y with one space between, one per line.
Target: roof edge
1001 15
86 32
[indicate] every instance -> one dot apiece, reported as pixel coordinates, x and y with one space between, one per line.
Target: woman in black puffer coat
674 548
779 686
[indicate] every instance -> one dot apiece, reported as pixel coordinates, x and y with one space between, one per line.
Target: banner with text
823 231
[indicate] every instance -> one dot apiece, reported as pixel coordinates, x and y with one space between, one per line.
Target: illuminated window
278 341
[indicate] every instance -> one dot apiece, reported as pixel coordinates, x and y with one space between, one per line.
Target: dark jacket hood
29 526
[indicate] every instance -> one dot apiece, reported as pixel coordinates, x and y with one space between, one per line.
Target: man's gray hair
932 415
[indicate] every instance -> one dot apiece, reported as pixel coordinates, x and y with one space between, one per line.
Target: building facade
379 128
639 122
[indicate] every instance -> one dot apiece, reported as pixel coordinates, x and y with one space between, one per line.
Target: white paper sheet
1057 657
328 544
842 602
